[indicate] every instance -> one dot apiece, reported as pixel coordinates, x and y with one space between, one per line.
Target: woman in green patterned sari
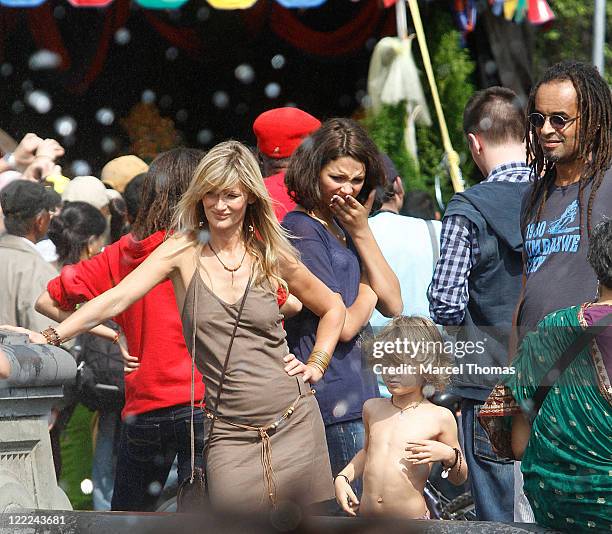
566 450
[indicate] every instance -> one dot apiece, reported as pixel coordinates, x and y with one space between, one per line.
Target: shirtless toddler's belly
393 488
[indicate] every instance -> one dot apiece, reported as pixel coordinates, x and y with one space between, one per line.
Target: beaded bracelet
448 469
52 336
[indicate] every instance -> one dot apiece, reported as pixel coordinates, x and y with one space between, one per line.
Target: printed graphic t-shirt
558 273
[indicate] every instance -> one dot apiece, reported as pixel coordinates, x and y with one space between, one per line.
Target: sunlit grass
77 456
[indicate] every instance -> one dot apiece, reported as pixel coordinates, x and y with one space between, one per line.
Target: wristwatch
9 158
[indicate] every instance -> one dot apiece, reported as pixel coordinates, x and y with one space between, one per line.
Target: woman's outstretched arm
49 307
156 268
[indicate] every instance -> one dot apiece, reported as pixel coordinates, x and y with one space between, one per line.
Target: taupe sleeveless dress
257 392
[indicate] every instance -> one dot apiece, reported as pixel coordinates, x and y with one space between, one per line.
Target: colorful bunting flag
497 7
21 3
90 3
539 12
465 13
510 9
521 11
161 4
231 4
300 4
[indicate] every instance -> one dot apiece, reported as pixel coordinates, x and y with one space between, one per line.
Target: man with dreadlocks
569 141
569 138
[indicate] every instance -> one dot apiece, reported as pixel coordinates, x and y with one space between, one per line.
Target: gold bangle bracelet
321 355
317 366
317 358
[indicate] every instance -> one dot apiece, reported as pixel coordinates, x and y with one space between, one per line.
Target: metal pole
401 19
599 34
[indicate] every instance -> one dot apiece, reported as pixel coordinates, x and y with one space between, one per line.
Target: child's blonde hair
413 329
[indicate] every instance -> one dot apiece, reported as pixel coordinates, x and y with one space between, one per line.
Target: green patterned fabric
567 465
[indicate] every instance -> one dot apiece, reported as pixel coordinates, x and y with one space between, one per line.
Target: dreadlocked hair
594 136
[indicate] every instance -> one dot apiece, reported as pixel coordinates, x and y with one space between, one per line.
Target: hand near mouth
351 213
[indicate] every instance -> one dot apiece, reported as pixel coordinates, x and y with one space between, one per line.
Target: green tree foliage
570 36
387 131
453 69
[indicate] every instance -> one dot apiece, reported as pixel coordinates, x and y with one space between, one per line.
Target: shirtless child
406 434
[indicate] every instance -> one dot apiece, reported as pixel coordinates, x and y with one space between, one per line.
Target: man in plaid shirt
477 280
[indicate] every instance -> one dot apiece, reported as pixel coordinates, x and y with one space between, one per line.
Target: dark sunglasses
556 121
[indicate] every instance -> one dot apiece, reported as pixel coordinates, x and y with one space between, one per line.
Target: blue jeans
103 466
149 443
344 441
491 476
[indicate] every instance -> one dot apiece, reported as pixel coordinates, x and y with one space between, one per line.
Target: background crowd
523 260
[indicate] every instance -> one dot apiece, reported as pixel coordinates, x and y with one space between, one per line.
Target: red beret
280 131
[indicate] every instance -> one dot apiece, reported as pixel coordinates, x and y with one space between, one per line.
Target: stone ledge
158 523
34 366
35 384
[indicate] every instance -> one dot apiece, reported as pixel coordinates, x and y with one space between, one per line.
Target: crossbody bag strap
566 359
193 349
435 243
225 365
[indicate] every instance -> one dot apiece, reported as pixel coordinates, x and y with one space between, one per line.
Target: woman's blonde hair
226 165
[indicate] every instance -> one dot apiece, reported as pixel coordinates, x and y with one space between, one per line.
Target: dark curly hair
335 139
594 137
600 252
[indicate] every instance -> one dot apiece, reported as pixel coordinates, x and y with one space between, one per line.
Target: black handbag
192 492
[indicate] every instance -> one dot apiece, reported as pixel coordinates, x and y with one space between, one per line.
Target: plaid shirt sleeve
459 251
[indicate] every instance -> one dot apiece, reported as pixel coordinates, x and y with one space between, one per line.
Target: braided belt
266 446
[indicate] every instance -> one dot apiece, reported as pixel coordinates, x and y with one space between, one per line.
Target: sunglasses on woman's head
558 122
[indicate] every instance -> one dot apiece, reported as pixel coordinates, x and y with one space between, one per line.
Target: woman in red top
157 409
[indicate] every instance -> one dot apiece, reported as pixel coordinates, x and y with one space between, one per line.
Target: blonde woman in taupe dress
268 443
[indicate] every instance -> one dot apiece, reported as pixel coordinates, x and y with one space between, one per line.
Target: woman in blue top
332 177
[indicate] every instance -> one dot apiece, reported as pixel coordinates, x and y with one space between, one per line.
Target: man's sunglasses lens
537 120
556 121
